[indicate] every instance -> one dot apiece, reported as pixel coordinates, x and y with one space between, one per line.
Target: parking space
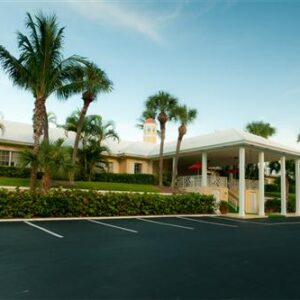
150 258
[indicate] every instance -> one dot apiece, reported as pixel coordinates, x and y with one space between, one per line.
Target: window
4 158
110 167
137 168
15 157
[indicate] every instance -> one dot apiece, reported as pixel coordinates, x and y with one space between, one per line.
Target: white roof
226 138
20 133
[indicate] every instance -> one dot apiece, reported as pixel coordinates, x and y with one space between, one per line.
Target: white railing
194 181
233 184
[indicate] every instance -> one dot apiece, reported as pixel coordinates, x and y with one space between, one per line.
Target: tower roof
150 120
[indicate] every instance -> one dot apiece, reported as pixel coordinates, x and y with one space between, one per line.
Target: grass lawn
107 186
277 195
112 186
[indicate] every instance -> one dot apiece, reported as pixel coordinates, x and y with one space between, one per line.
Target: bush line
58 203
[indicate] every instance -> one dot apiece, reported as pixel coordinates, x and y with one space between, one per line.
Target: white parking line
239 221
113 226
208 222
166 224
44 229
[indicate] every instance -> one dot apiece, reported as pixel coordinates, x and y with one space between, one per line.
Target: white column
261 191
9 158
204 169
283 185
297 183
242 182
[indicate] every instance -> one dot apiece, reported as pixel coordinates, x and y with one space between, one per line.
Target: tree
91 81
161 106
261 128
39 69
94 132
52 159
289 170
185 116
264 130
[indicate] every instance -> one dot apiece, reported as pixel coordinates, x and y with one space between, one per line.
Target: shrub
70 203
125 178
223 206
16 172
274 205
272 188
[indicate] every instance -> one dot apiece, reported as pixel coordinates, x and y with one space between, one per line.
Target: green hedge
17 172
274 205
58 203
125 178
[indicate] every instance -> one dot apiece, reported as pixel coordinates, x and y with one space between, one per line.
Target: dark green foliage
274 205
272 188
125 178
16 172
58 203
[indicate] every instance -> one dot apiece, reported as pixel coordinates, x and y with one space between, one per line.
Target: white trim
297 183
261 189
241 182
283 185
207 222
113 226
166 224
204 170
44 229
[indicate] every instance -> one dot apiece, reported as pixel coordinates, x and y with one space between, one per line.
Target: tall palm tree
261 128
91 81
161 106
40 68
185 116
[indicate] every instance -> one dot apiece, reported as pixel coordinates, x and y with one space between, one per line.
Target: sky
234 61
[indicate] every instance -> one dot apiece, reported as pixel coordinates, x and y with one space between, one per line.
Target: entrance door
253 202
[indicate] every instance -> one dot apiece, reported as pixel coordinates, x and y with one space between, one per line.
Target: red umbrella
196 166
233 171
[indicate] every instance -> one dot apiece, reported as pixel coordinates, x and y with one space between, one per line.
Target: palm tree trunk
38 125
46 126
161 152
46 181
78 135
175 166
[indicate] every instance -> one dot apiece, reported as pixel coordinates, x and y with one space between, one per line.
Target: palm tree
161 106
53 158
91 81
39 69
92 158
289 169
185 116
2 128
261 128
94 132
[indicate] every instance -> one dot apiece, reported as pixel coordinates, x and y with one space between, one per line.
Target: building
232 147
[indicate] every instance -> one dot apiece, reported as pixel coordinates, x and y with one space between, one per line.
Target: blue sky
234 61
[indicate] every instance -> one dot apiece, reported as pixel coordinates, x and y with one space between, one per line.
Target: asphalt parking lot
151 258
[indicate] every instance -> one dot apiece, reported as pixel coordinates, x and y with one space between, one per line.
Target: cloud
127 16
